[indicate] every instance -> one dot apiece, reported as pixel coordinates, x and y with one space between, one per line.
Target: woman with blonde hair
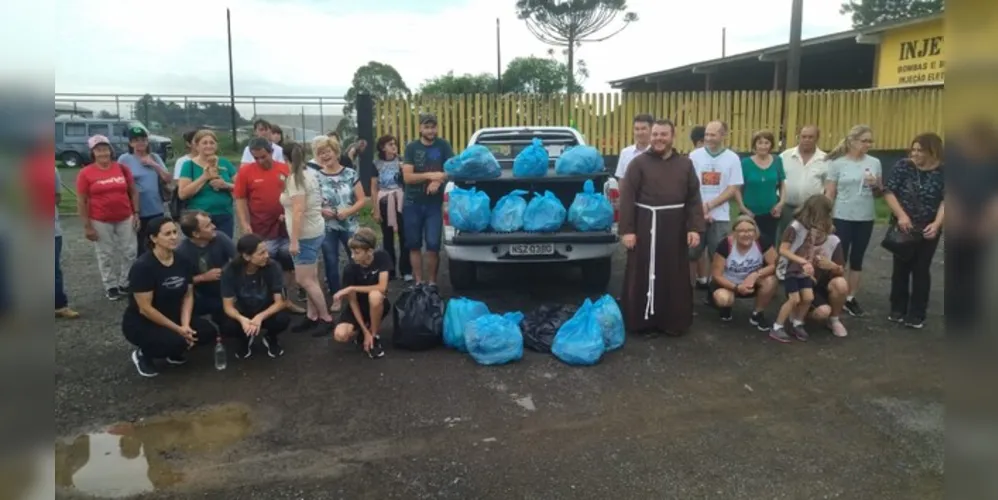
302 202
855 180
206 182
744 266
342 198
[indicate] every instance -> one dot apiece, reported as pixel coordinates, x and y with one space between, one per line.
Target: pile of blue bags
507 216
591 211
545 213
493 339
476 162
532 161
579 160
469 210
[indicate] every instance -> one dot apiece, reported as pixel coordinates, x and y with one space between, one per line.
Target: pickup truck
592 252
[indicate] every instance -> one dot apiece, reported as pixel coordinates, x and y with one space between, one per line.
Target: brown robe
657 182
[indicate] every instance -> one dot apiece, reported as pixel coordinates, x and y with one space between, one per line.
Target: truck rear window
507 144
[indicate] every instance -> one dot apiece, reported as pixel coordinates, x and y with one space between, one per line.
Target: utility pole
724 42
793 53
232 83
498 59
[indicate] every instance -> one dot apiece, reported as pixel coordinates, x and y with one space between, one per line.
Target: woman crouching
744 266
251 298
365 287
159 318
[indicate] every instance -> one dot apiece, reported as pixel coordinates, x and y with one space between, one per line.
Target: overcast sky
312 47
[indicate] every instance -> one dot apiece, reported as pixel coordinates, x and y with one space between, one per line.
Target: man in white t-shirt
720 172
642 139
263 129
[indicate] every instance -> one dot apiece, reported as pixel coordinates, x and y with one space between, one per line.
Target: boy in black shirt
365 287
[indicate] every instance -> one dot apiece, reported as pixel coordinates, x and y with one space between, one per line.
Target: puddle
133 458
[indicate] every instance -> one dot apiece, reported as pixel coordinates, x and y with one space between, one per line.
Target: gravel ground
720 413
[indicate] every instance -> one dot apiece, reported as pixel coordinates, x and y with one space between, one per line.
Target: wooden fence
896 115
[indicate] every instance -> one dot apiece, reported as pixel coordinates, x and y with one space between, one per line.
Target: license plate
532 249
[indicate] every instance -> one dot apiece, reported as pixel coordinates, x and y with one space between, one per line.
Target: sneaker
124 290
66 313
112 294
245 349
896 317
323 328
176 360
853 308
274 349
305 325
725 313
143 365
779 335
700 285
377 350
758 320
914 322
837 328
407 278
799 332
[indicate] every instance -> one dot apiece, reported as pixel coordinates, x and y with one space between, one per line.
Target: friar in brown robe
661 217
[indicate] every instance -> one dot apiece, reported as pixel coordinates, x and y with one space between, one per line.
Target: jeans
60 292
423 223
855 237
331 256
272 326
400 261
225 223
157 342
911 280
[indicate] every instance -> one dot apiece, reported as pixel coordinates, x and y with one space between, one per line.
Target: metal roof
775 52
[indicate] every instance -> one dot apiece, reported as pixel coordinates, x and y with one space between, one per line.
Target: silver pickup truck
590 251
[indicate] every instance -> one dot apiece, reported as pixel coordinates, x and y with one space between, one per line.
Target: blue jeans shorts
423 223
795 284
309 251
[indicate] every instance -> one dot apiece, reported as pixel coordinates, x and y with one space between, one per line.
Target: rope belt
650 303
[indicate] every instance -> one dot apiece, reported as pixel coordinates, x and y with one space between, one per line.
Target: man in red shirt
258 188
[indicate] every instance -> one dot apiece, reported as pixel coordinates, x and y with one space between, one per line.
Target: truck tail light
613 194
446 213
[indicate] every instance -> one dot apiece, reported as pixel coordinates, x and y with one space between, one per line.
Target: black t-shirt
215 255
253 292
355 274
168 284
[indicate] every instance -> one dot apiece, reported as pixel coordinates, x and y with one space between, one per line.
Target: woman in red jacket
108 203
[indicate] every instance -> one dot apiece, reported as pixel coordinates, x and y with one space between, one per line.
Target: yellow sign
912 56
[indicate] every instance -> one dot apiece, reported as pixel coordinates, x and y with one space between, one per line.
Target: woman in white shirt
302 201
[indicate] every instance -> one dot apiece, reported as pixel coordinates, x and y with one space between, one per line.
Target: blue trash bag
607 315
460 312
532 161
507 216
579 341
591 211
476 162
469 209
579 160
495 340
545 213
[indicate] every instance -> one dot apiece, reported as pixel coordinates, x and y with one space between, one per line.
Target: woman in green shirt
206 182
764 186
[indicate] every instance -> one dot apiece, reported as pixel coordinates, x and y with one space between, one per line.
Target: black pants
855 238
767 226
157 342
272 326
142 236
401 259
911 280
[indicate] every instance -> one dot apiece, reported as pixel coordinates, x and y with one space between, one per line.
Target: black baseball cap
425 118
137 131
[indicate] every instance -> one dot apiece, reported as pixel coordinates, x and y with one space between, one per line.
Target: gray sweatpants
116 246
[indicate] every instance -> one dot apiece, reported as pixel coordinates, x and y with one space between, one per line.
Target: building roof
776 52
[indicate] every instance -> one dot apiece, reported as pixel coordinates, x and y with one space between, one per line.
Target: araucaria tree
570 23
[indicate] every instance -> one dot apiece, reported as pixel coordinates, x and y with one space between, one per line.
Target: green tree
570 23
483 83
538 75
873 12
380 80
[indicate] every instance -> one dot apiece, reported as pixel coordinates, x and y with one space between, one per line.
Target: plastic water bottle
221 359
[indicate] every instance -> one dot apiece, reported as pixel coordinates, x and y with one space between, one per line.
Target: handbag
900 243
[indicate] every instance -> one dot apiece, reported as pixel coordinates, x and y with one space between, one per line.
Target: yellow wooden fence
896 115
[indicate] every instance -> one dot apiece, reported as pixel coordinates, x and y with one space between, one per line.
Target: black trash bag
541 325
418 317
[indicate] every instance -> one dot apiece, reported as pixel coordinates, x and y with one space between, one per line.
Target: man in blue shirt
150 176
422 211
